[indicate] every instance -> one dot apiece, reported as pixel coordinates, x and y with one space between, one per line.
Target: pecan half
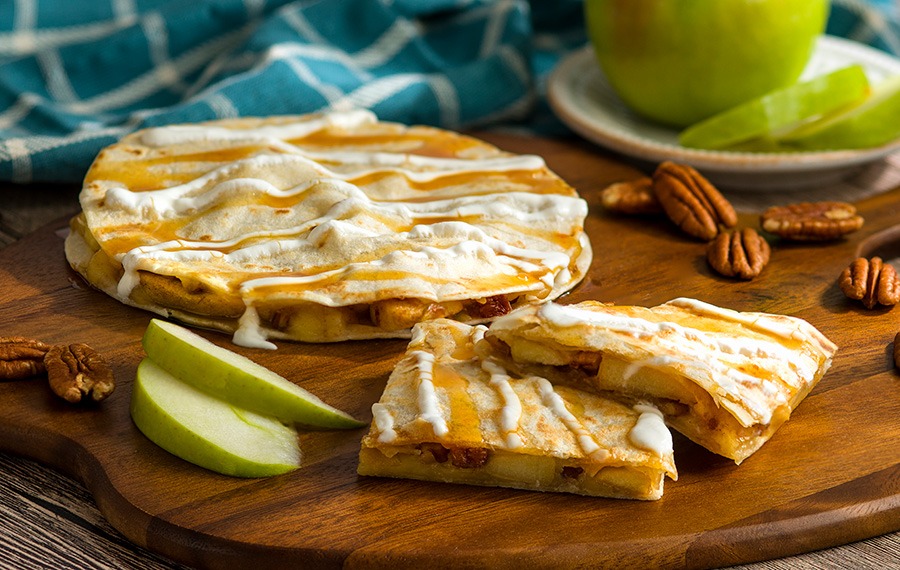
691 201
871 281
811 221
631 197
741 253
21 357
78 372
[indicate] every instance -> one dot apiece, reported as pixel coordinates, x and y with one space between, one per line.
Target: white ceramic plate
582 98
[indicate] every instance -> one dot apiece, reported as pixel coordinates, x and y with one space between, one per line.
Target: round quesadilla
324 227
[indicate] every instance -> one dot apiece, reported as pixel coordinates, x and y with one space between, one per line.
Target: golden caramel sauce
464 421
131 236
419 142
536 181
139 175
518 281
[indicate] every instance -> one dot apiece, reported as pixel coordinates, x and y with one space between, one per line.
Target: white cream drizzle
557 406
429 408
478 334
175 200
511 412
650 432
191 134
384 423
249 332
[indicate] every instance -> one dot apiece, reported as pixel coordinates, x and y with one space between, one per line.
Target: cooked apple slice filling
726 380
452 413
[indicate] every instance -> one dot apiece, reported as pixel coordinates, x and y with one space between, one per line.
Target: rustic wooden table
49 520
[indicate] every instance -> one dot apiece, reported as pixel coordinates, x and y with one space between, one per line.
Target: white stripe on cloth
54 72
10 116
301 25
494 29
20 150
25 14
154 79
388 45
306 75
157 35
447 98
26 41
378 90
322 53
254 7
124 9
17 152
222 106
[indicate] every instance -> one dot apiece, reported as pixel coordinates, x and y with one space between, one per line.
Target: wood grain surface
830 476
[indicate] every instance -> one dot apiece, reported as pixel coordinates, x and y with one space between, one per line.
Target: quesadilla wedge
725 379
324 227
452 413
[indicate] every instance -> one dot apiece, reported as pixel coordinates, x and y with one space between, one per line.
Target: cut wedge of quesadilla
452 413
725 379
324 227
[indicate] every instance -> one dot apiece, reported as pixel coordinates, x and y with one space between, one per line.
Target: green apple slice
237 379
872 123
780 109
207 431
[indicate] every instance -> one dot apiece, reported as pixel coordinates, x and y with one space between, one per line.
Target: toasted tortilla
324 227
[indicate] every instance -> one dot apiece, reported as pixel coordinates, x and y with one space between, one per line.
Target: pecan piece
21 357
811 221
571 472
78 372
469 457
587 362
437 451
631 197
741 253
691 201
871 281
492 307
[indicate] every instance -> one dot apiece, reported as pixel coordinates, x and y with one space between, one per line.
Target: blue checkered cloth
77 76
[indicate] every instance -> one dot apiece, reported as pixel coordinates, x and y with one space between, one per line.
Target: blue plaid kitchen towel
76 76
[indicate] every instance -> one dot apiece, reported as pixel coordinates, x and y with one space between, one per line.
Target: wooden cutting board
831 475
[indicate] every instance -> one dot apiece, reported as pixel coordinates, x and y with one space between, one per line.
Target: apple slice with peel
237 379
207 431
780 109
874 122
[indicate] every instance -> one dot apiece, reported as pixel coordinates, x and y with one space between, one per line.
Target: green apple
872 123
207 431
678 62
237 379
779 109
